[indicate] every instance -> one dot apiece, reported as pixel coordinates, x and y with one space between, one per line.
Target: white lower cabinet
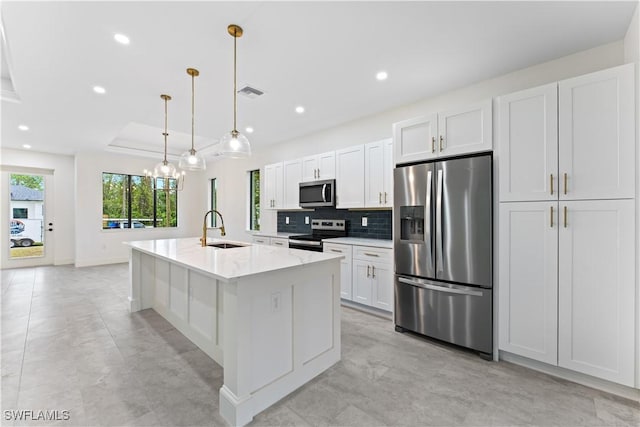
567 285
345 267
280 242
366 275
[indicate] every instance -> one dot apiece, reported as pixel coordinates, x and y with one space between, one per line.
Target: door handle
441 141
565 217
370 254
368 270
324 187
427 218
439 248
440 288
379 198
551 217
551 176
336 250
433 144
385 197
565 183
373 271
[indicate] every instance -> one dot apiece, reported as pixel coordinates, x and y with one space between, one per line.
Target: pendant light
166 169
190 159
234 144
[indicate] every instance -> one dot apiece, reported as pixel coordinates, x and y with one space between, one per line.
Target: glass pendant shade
192 160
235 145
165 170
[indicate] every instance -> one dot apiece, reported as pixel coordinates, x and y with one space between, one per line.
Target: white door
415 139
362 292
292 175
374 174
382 286
310 168
273 186
528 301
327 165
528 144
597 135
345 268
597 288
350 177
28 218
465 130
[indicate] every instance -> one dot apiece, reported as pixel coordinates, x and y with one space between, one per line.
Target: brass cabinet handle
336 250
379 198
373 271
370 254
433 144
441 140
385 197
551 176
368 270
565 183
551 217
565 217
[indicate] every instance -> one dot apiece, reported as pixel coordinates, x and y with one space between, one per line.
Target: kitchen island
269 316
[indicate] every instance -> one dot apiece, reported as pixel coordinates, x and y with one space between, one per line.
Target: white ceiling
323 55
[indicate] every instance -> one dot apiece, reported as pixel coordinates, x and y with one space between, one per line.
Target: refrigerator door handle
439 261
427 215
439 288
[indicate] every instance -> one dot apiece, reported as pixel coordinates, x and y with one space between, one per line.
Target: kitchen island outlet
269 316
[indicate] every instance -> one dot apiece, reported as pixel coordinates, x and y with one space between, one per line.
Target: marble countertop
229 264
360 241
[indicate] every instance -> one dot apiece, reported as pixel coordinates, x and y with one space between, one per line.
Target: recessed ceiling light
382 75
299 109
23 127
27 146
249 129
121 38
99 89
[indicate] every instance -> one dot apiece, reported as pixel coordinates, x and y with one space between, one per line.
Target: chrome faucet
203 239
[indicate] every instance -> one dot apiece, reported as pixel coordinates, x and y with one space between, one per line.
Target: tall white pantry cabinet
567 224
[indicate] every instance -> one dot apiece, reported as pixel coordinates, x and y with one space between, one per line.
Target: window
131 201
254 200
20 213
214 201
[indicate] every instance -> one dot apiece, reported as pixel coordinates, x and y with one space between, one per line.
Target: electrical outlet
306 220
286 220
276 302
364 221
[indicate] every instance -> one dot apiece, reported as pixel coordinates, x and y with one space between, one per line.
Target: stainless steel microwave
315 194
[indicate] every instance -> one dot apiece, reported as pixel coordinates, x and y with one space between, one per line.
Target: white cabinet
597 289
345 267
570 141
280 242
597 135
273 186
319 166
528 149
350 177
575 194
528 272
261 240
448 133
373 277
292 176
378 180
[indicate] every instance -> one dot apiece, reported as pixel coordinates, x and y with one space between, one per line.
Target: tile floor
69 343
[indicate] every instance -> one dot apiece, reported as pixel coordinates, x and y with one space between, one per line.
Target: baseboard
101 261
576 377
367 309
63 261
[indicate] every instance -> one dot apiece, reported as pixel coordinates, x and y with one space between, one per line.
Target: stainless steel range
320 229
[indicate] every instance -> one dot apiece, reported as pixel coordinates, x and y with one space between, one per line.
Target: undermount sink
225 245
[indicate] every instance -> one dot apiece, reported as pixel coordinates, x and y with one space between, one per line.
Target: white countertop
229 264
360 241
281 235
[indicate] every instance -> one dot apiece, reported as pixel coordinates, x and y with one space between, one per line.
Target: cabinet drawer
338 249
283 243
372 254
261 240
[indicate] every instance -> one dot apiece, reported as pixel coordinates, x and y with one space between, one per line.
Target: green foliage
35 182
255 200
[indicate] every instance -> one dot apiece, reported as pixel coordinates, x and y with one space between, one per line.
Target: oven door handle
305 242
440 288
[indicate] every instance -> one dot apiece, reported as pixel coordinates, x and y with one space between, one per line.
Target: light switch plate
364 221
286 220
306 220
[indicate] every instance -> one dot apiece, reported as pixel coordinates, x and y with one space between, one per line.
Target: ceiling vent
250 92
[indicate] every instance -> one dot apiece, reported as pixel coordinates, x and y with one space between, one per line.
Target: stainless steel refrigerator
443 250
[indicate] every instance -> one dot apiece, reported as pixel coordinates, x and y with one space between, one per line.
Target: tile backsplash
378 222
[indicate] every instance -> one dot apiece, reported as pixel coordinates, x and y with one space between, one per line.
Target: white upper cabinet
528 149
415 139
292 175
597 135
350 176
528 324
319 166
465 130
596 295
378 182
273 186
448 133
